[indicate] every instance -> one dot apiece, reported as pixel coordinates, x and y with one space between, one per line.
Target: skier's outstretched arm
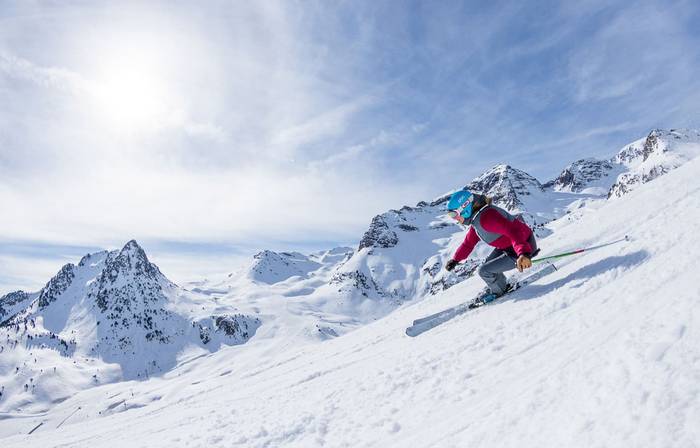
467 246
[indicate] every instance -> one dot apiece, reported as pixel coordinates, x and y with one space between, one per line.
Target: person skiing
513 240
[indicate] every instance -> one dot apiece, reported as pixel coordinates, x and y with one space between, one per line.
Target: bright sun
132 92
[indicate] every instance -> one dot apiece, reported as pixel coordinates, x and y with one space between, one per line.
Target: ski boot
486 296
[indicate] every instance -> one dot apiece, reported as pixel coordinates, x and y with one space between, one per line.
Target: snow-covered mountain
13 303
509 187
586 174
648 158
400 257
113 316
639 162
603 352
272 267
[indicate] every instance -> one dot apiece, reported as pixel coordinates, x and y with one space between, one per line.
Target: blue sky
209 131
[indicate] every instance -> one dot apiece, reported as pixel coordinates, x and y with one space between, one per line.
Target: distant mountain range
115 316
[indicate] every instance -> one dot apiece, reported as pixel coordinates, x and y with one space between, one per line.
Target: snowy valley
310 350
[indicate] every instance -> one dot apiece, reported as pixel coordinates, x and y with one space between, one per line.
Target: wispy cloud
326 125
633 50
48 77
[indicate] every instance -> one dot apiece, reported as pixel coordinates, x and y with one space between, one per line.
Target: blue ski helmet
461 202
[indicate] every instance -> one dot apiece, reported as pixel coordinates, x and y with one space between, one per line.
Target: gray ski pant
498 262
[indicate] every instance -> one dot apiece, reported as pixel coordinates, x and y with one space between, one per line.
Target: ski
426 323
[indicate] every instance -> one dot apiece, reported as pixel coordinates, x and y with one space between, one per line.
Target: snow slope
604 352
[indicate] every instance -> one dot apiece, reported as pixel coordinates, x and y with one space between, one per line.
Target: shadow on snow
581 276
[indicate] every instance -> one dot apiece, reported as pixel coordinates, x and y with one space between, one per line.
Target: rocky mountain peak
131 261
640 150
132 248
265 254
581 174
654 142
118 308
379 234
11 303
650 157
506 185
384 231
657 143
57 285
90 259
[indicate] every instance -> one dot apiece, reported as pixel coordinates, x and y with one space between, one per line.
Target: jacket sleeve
467 245
515 230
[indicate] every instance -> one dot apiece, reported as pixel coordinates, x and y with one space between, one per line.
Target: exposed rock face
626 182
11 303
127 282
237 327
379 234
440 283
581 174
119 307
131 262
56 286
385 230
356 281
656 141
646 159
506 185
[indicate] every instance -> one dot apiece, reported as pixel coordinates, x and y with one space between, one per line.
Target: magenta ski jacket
499 229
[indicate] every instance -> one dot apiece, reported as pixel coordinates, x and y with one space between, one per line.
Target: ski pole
578 251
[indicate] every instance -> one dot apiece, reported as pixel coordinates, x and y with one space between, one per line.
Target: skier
513 240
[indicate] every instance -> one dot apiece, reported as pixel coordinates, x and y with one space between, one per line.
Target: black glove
451 264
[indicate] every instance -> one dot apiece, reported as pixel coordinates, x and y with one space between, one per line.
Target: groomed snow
603 353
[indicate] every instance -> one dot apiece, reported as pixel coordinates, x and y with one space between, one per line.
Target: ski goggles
458 211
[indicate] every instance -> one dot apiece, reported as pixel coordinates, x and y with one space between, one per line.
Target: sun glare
132 92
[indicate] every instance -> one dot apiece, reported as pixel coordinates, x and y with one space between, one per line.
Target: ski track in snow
602 353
